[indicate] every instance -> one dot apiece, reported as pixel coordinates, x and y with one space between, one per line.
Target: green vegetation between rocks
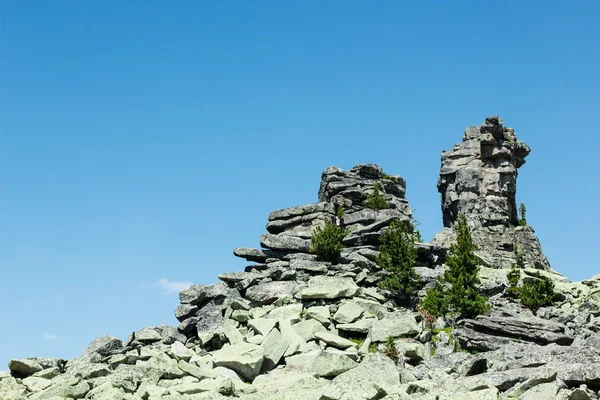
522 215
537 293
514 275
326 242
436 331
533 293
389 177
360 341
375 200
390 349
397 256
456 295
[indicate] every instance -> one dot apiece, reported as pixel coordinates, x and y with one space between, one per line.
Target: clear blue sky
144 140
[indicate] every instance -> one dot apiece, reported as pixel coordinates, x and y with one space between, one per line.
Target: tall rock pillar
478 178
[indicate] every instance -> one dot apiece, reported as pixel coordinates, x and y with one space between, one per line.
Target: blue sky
141 141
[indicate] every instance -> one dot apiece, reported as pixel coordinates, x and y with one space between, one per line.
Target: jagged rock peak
478 178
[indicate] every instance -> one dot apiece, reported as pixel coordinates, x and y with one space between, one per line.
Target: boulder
269 292
348 313
25 367
474 333
329 287
308 328
285 242
275 345
147 335
319 313
329 364
334 340
262 326
371 379
210 323
396 324
244 358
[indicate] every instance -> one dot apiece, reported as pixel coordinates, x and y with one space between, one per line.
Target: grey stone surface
483 333
348 313
244 358
396 324
284 242
329 287
269 292
478 178
275 345
307 328
329 364
334 340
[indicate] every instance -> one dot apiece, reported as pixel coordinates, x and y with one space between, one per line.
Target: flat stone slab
329 364
360 326
269 292
348 313
307 328
532 329
329 287
244 358
257 255
395 325
334 340
285 242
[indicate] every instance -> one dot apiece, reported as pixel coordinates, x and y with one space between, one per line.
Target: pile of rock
314 350
478 178
286 272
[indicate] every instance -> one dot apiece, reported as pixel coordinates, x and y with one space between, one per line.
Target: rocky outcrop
292 327
478 178
285 273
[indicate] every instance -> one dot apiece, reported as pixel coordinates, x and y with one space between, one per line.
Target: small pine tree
462 274
326 242
391 350
397 256
435 300
375 200
537 293
339 212
522 215
458 295
514 275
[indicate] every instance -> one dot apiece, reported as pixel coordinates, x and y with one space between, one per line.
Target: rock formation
478 178
292 327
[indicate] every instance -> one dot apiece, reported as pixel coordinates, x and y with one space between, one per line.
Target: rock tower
478 178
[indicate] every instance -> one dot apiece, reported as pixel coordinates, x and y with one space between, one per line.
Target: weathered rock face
478 178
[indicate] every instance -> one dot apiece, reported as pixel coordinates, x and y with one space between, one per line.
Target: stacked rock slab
478 178
286 272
